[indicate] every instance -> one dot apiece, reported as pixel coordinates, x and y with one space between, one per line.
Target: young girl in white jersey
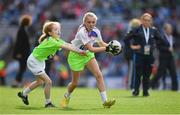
86 36
49 44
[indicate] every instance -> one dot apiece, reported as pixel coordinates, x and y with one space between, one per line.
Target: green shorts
77 62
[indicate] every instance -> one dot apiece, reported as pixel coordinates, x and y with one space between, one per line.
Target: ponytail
42 37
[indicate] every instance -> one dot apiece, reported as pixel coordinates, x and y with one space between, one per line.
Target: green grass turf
88 101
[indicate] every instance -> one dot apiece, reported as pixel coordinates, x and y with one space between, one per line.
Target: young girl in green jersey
49 44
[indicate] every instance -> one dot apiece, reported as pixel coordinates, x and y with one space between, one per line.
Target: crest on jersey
92 35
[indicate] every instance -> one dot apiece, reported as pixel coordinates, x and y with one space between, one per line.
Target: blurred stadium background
113 15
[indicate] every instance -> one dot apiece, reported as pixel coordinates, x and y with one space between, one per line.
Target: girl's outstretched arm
70 47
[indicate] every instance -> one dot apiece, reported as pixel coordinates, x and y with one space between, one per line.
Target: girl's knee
41 82
48 82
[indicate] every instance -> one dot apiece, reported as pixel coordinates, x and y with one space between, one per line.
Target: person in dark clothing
22 48
143 41
134 23
166 58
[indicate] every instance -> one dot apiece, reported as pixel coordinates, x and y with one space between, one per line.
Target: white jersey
83 37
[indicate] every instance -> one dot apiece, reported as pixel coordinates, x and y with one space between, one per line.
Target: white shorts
35 66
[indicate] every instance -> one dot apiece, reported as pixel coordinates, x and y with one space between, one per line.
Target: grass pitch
88 101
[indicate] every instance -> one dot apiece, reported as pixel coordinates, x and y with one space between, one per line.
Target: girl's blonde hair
134 23
89 14
47 27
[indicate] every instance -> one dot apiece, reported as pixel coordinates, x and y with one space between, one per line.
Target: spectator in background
22 48
106 32
143 40
2 72
166 58
134 23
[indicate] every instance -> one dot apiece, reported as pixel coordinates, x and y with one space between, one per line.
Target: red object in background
154 69
64 75
3 73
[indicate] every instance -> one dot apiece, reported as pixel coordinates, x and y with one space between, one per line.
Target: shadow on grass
57 108
136 96
77 109
29 108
